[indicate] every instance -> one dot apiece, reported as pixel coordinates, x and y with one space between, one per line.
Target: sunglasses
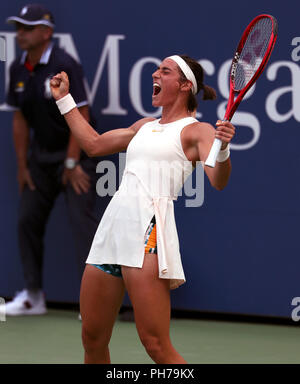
26 28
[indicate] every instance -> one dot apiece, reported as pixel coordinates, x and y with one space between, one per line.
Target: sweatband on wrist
223 155
66 104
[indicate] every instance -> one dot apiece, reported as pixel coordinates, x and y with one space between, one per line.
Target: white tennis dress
156 169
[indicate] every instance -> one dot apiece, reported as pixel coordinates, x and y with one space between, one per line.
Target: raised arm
197 140
89 140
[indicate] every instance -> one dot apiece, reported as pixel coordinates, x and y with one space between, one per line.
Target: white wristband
223 155
66 104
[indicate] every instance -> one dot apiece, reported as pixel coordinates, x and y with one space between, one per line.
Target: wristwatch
70 163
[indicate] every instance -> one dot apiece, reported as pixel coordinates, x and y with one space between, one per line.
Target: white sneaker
25 303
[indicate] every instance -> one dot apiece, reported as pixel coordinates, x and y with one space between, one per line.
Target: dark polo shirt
29 91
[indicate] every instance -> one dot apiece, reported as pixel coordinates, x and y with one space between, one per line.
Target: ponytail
208 93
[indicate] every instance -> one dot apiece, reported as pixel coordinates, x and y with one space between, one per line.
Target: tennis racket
249 61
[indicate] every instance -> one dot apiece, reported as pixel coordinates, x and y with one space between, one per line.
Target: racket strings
253 52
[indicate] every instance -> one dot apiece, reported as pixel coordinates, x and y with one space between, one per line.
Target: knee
154 346
25 217
31 221
26 222
93 340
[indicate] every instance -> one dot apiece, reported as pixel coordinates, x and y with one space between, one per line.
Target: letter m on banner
2 49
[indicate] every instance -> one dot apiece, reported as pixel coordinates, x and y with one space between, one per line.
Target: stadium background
240 249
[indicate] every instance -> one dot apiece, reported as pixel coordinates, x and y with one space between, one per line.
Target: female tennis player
136 245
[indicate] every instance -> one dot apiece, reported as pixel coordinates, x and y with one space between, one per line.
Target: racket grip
213 154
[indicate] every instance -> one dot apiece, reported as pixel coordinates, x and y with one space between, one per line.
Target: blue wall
240 249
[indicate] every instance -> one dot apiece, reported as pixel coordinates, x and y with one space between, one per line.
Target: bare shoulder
197 131
139 123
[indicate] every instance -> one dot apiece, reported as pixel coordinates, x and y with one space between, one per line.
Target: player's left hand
78 178
225 131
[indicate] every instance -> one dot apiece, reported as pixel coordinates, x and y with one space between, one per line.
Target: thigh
83 222
34 208
82 208
150 297
37 204
83 218
45 179
101 296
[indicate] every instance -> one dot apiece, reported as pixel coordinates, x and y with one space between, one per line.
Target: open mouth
156 89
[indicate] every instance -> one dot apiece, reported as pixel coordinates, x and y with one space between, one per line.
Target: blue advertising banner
240 246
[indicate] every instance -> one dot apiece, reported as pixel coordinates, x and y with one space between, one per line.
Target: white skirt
120 235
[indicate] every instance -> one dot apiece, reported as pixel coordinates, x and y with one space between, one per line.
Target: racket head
250 58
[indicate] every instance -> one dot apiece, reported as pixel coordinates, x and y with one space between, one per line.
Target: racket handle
213 154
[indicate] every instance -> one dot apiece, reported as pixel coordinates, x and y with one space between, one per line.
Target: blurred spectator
49 159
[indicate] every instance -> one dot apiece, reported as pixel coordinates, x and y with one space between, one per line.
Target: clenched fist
59 85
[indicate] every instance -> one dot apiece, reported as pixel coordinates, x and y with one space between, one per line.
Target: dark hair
208 92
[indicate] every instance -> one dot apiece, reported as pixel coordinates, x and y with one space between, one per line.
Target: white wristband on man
223 155
66 104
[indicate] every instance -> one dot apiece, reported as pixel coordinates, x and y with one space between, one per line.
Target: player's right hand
59 85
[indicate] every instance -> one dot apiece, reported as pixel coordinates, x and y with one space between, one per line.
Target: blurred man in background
49 159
